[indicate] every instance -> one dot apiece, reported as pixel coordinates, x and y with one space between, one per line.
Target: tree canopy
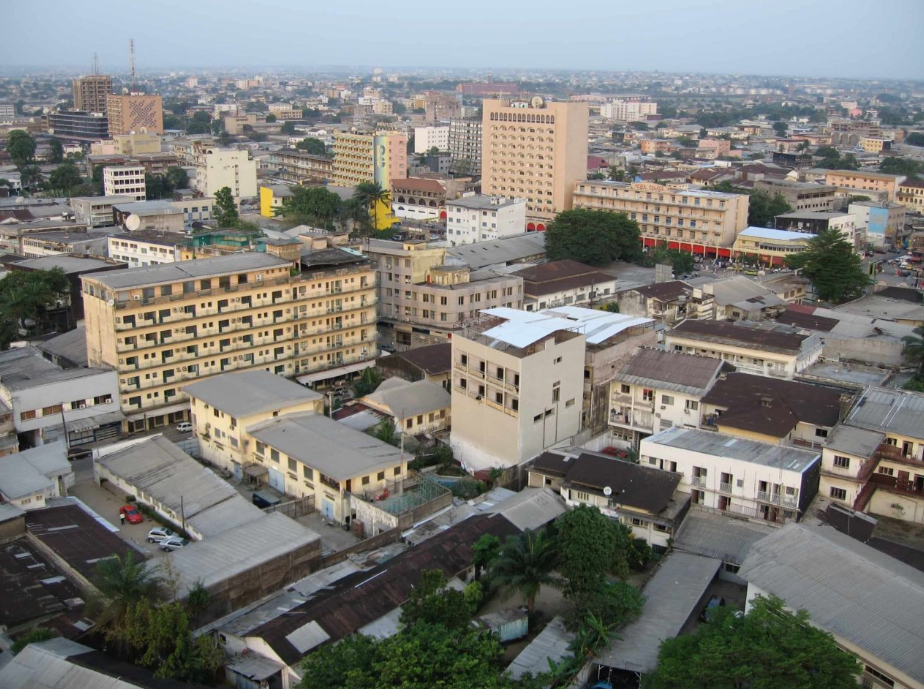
763 208
901 166
524 565
311 205
312 145
225 209
590 545
831 159
836 271
593 237
57 150
768 648
21 147
25 297
65 178
915 139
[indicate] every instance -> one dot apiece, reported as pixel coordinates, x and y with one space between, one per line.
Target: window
381 476
53 409
842 462
261 448
821 433
884 679
365 480
293 465
397 471
24 416
307 472
647 395
667 400
692 405
887 471
625 389
838 493
537 418
570 403
582 497
274 455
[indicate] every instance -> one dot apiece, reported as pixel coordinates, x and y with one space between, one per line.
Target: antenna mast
131 60
95 64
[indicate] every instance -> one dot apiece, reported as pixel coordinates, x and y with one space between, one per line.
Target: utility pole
67 443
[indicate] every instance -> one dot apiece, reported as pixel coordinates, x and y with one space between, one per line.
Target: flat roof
671 597
740 334
779 235
718 536
860 442
188 270
690 374
24 367
69 264
330 447
733 447
484 202
249 392
143 208
506 250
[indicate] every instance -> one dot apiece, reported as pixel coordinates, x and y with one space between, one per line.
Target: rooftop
333 449
250 392
890 411
507 250
597 326
859 442
71 345
685 373
431 359
483 202
777 235
145 208
848 588
715 535
665 291
730 447
560 276
69 264
188 270
23 368
743 293
403 399
740 335
32 471
523 328
814 215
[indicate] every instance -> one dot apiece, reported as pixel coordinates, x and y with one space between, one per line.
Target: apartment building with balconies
742 477
379 157
91 91
424 298
656 390
166 325
124 180
465 141
293 165
775 351
517 383
698 221
877 185
535 151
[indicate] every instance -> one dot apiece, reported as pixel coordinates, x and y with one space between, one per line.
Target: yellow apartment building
770 247
911 194
358 158
877 185
536 151
165 325
701 222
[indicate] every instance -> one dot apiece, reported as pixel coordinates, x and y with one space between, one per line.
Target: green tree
385 431
915 139
681 261
524 565
21 147
836 271
287 128
65 178
123 582
900 166
433 602
370 195
36 635
315 206
780 128
155 187
768 648
57 150
593 237
763 209
914 349
270 118
368 382
225 209
590 545
617 174
177 178
485 549
25 297
854 198
312 145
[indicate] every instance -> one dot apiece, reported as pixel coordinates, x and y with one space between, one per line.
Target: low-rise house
415 408
430 362
738 298
655 390
777 352
771 410
643 498
877 617
146 247
730 474
162 216
667 302
30 477
564 283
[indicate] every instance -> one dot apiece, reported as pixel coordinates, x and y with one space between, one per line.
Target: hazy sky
840 38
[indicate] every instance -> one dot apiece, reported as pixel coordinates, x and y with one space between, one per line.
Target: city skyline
602 37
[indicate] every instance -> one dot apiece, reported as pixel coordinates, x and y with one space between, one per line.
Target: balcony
698 481
725 488
776 499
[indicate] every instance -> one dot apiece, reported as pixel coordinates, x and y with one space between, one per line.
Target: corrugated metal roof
885 409
551 643
249 392
719 536
31 471
403 399
689 374
851 590
188 270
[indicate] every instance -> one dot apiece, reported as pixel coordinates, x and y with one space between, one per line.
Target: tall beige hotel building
536 151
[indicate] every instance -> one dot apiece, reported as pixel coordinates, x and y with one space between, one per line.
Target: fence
294 508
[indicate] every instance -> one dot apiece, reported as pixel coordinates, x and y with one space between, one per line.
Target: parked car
711 606
173 543
159 534
132 515
184 427
76 453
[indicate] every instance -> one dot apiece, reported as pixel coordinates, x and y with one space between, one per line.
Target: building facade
431 136
911 195
465 141
701 222
380 157
876 185
217 168
535 151
73 125
91 92
882 222
628 110
769 247
479 218
146 248
135 112
801 196
124 180
293 165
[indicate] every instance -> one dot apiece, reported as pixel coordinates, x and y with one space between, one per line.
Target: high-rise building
135 112
441 107
536 151
465 147
628 110
73 125
91 93
380 157
166 325
124 180
431 136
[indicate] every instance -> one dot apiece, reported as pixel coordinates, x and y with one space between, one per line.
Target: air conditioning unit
137 297
663 407
82 405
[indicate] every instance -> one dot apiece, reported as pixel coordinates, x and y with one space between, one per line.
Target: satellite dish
536 101
111 302
132 223
607 491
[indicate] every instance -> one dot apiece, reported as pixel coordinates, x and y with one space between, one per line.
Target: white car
159 534
184 427
175 542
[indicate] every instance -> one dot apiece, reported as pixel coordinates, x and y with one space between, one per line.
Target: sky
824 38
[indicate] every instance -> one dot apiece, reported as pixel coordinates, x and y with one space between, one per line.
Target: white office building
479 218
124 180
426 138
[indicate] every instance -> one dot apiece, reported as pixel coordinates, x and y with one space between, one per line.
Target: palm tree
370 194
124 581
914 348
593 635
524 565
355 212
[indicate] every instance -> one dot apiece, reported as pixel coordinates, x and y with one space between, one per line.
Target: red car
132 515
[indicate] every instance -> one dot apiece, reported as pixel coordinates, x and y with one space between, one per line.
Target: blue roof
767 233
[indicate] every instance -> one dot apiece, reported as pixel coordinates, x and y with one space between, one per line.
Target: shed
509 624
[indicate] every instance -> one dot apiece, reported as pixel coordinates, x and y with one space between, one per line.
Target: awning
333 372
95 421
255 470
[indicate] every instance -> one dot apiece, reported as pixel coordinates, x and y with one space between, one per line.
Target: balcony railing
698 481
725 487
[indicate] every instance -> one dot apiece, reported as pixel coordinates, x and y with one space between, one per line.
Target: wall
82 390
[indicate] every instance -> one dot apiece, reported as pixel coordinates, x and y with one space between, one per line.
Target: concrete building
30 477
424 298
535 151
379 157
299 167
44 397
415 408
217 168
465 144
731 474
418 198
163 326
517 382
161 216
136 112
667 302
739 298
875 618
655 390
628 110
479 218
701 222
147 248
441 107
96 211
564 283
911 195
90 92
431 136
769 247
234 124
124 180
813 222
779 352
801 196
75 125
131 144
882 221
877 185
273 197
